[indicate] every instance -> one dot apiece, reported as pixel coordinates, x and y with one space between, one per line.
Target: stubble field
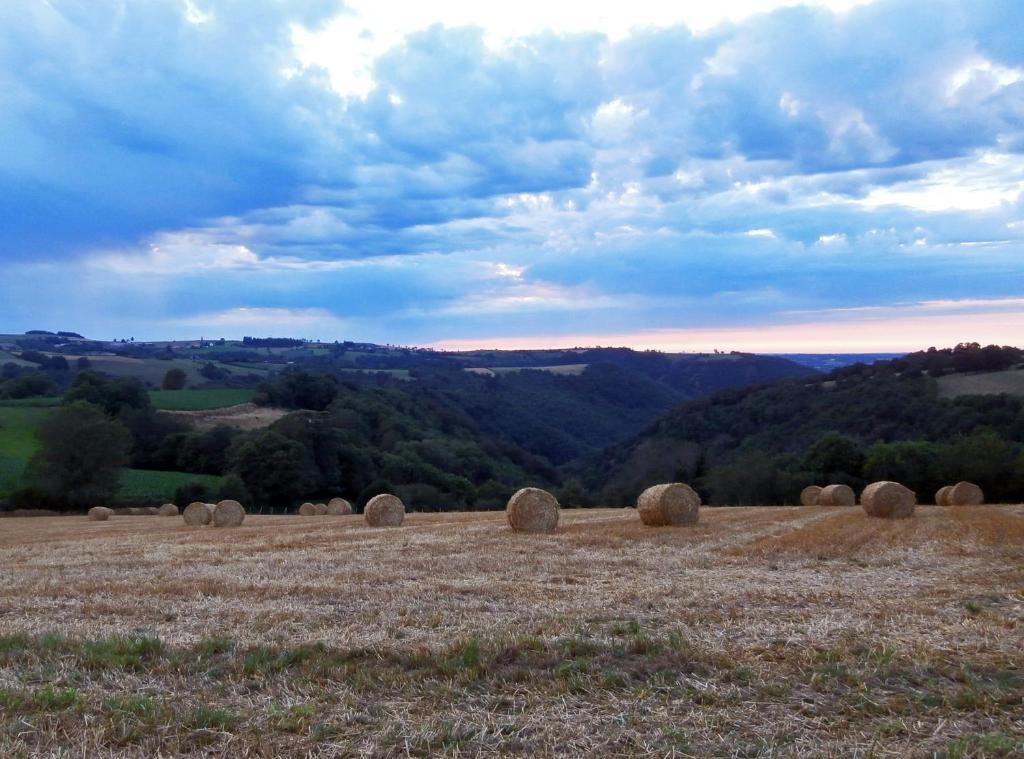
768 631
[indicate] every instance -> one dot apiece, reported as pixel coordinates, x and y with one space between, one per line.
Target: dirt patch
244 416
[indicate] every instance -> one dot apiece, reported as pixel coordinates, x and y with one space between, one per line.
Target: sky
762 175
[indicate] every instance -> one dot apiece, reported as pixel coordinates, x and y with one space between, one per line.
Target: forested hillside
883 421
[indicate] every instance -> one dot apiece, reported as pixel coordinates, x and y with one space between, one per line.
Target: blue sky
760 175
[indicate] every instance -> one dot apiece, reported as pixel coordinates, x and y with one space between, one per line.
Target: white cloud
982 183
980 78
349 45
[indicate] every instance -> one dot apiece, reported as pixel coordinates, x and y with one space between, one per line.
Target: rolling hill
931 397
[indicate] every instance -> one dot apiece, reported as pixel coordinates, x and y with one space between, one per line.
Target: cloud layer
178 165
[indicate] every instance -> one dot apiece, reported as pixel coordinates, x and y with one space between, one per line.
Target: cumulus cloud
606 175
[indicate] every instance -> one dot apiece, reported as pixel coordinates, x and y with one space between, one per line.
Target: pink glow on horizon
866 335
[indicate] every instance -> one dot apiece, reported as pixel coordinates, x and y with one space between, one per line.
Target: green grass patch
18 426
211 718
199 400
140 485
50 699
10 358
18 441
44 401
120 652
985 745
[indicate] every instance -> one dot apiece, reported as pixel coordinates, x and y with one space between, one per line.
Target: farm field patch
199 400
763 631
1010 381
18 441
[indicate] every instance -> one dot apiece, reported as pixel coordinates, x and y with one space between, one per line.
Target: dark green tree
174 379
835 457
983 457
753 479
374 488
111 395
234 489
913 463
81 456
273 468
28 385
190 492
212 372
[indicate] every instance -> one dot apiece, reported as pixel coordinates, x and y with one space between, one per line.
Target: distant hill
564 415
827 362
460 429
933 397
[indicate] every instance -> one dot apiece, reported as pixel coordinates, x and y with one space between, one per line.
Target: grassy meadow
199 400
19 421
757 632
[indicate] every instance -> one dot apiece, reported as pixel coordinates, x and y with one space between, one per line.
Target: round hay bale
100 513
228 514
942 496
837 495
809 495
965 494
197 514
385 510
532 510
150 511
122 511
168 510
339 507
320 509
307 510
888 500
669 504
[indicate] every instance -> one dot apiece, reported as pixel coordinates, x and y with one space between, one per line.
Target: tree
983 457
912 463
272 467
377 487
753 479
111 395
174 379
234 489
28 385
191 492
81 456
212 372
83 363
299 390
835 457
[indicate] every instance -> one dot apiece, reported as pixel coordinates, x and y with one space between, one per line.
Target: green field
39 402
7 358
18 425
402 374
147 485
199 400
151 370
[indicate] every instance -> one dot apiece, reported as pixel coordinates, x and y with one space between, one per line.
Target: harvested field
244 416
1010 381
771 631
